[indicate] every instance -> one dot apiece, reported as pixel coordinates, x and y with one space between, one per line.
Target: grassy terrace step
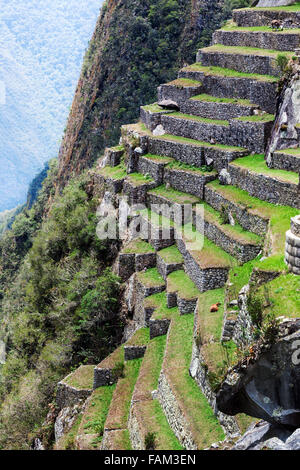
213 107
118 414
158 302
242 59
81 378
151 278
145 411
179 90
262 216
196 417
171 255
91 426
179 282
115 173
138 246
287 159
264 16
229 83
172 196
235 240
258 36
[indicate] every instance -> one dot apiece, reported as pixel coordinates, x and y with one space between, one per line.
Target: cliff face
137 44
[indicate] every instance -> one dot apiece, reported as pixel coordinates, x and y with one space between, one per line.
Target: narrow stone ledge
188 181
134 352
158 327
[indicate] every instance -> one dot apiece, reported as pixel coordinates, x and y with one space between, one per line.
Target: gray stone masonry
153 168
144 261
250 135
171 299
181 213
264 187
292 246
206 278
113 156
158 327
152 118
197 155
251 17
134 352
216 110
278 41
137 194
242 250
67 396
261 92
174 413
246 63
108 184
259 277
129 263
103 377
165 268
186 306
251 222
187 181
177 93
158 237
285 161
141 292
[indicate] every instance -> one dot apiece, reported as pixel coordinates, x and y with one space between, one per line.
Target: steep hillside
42 44
137 44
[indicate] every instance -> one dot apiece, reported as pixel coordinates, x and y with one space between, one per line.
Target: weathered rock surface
267 387
264 435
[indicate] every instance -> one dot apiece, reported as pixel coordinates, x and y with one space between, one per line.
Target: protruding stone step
147 283
179 90
157 229
192 180
288 159
251 132
76 387
275 186
168 260
226 199
242 59
135 256
261 36
239 243
150 115
136 187
292 246
153 165
174 205
227 83
181 292
110 178
113 155
194 152
250 17
104 372
206 264
156 309
212 107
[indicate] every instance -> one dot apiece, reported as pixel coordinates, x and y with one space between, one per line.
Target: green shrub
150 441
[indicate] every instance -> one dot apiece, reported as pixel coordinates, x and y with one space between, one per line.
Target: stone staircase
203 148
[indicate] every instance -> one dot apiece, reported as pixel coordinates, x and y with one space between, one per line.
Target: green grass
205 252
151 278
284 296
215 99
178 281
153 108
158 158
171 255
137 179
150 369
289 8
223 72
257 164
115 173
138 246
159 303
231 26
256 118
175 196
209 325
118 414
236 232
246 50
82 378
202 421
190 117
295 152
204 170
140 338
184 82
96 413
110 361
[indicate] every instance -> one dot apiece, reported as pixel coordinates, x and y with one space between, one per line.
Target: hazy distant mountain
42 43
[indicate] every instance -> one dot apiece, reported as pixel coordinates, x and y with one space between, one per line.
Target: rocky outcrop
266 385
292 246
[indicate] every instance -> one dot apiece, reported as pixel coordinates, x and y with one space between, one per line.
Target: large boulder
274 3
267 386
